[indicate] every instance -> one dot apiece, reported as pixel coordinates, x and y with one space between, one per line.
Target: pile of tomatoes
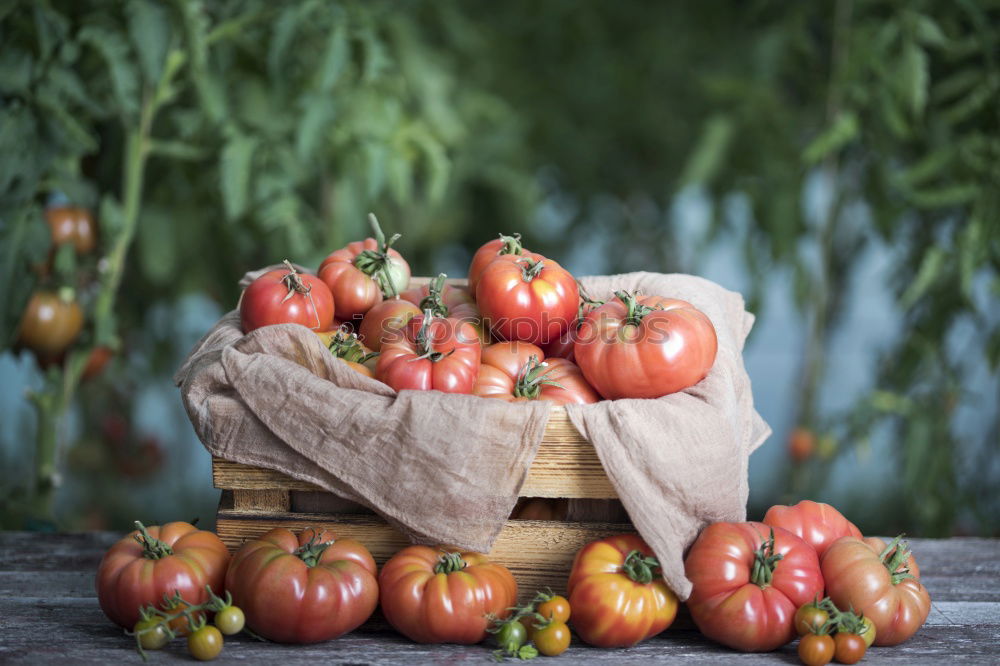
521 330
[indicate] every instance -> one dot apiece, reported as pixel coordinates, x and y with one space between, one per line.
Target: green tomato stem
765 560
449 563
640 568
433 301
152 548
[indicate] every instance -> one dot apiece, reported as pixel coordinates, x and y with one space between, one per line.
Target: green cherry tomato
205 643
511 636
552 639
152 634
869 633
230 620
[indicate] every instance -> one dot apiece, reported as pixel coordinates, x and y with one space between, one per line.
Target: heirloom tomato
385 321
514 371
447 300
880 581
749 580
303 588
156 562
617 593
431 596
285 296
72 225
436 353
489 251
364 272
646 347
50 323
527 297
816 523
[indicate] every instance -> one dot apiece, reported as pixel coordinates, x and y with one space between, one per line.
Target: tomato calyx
639 567
530 268
765 559
312 550
293 282
531 377
377 263
433 301
449 563
152 548
346 345
894 558
635 311
423 342
511 244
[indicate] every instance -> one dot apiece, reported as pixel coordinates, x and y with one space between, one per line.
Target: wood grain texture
52 596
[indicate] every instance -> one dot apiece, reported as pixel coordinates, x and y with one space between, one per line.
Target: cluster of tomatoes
522 329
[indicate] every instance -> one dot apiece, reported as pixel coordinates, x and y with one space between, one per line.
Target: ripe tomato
810 618
848 648
565 345
156 561
801 444
817 523
515 371
98 358
303 589
488 252
527 297
364 272
448 300
436 353
50 323
551 639
646 347
748 585
540 508
72 224
879 581
432 596
205 643
285 296
385 321
617 593
554 607
816 649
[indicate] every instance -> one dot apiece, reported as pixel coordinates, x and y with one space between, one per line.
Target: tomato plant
514 371
749 579
285 296
816 523
205 643
490 250
527 297
617 593
646 347
436 353
72 225
50 323
151 563
303 588
816 649
431 596
364 272
880 581
385 322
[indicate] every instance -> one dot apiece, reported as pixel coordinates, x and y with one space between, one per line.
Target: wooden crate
539 553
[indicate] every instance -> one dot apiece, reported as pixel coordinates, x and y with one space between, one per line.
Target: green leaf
318 115
914 78
149 29
17 68
283 32
335 57
234 173
178 150
928 32
710 151
931 267
928 168
52 29
840 133
942 197
120 62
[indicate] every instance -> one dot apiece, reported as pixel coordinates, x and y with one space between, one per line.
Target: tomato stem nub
531 378
511 244
433 300
449 563
640 568
423 341
765 560
152 548
293 282
894 557
530 268
377 264
636 311
312 551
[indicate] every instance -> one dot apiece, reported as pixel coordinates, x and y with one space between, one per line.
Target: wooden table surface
49 613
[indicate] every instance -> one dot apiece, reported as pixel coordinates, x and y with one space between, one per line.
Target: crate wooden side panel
566 466
538 553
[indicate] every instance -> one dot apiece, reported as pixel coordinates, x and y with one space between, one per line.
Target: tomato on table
490 250
436 353
205 643
515 371
551 638
848 648
818 524
433 596
285 296
816 649
749 579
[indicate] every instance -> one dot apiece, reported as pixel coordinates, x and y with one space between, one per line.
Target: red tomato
801 444
72 224
527 297
816 649
515 371
96 360
364 272
748 586
431 596
849 648
565 345
286 296
50 323
303 589
447 300
490 251
385 321
817 523
879 581
156 561
645 348
617 593
436 353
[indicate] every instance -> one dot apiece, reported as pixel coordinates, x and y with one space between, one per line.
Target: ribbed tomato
617 593
527 297
364 272
881 582
490 251
749 580
645 347
152 562
436 353
447 300
817 523
433 596
385 321
515 371
303 588
285 296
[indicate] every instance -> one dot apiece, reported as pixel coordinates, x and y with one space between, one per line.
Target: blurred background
837 163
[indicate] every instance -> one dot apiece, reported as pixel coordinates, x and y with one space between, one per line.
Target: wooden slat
538 553
262 501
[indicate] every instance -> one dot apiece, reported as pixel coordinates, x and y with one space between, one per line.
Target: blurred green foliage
268 129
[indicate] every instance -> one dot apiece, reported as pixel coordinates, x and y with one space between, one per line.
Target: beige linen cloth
445 468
